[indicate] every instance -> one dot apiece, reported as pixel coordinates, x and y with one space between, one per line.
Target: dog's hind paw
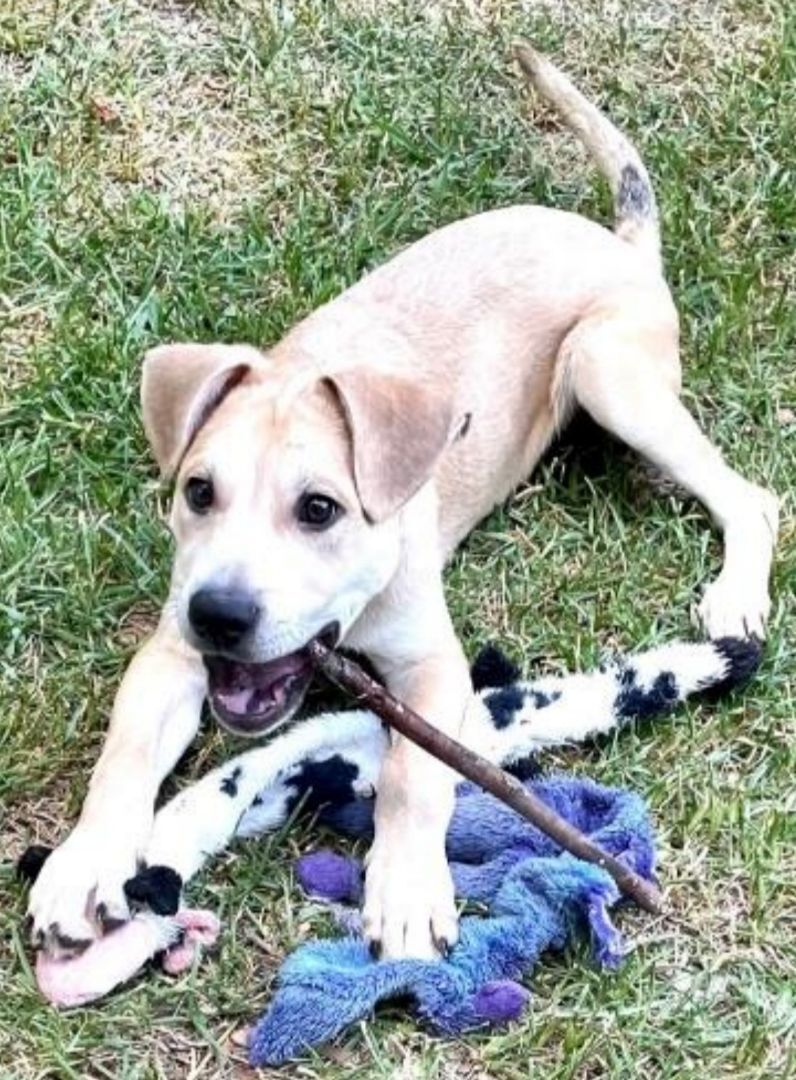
733 609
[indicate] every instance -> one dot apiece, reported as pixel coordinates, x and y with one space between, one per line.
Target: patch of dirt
137 625
21 330
38 820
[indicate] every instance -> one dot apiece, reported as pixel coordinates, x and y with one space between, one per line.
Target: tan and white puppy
322 483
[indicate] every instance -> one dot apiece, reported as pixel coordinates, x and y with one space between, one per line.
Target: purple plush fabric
501 1001
329 876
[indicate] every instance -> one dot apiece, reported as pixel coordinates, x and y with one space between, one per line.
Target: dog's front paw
409 906
734 608
79 891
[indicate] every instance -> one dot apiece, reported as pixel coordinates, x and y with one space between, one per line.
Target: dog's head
287 508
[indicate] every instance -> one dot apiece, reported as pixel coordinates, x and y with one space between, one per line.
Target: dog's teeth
284 688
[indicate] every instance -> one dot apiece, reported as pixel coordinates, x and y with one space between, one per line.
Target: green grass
216 170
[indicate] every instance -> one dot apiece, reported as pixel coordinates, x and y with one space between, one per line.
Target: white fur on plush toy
252 793
507 721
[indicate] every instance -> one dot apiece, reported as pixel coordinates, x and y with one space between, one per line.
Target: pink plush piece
116 957
199 928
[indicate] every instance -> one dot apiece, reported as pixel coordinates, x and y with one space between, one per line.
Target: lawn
215 171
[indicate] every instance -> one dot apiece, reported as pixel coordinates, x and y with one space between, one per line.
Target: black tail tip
493 668
634 197
742 657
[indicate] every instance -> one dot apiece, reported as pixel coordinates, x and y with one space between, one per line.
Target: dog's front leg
409 903
156 714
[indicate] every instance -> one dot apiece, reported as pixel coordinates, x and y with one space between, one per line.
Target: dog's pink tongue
239 702
243 689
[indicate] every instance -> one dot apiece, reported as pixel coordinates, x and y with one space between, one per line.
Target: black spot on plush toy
157 888
492 668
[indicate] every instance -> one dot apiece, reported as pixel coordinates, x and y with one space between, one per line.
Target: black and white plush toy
336 758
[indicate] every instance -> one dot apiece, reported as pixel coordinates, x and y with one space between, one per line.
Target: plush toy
537 898
330 764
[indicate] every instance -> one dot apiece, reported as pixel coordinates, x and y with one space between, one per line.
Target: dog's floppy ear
180 387
398 430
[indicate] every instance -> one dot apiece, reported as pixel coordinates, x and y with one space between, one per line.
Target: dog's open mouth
248 699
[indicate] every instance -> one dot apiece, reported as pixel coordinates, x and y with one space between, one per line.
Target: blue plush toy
537 898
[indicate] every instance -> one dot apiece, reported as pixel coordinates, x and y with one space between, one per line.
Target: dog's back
482 307
481 282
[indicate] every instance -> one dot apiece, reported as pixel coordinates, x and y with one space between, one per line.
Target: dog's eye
317 511
199 494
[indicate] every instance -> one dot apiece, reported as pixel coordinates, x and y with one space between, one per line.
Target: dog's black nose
222 617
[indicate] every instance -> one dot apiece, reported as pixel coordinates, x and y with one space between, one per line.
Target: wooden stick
501 784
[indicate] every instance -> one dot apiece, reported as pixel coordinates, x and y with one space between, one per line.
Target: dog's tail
635 209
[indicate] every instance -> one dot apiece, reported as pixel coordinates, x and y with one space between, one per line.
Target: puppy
322 483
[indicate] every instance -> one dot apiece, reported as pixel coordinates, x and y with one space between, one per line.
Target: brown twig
499 783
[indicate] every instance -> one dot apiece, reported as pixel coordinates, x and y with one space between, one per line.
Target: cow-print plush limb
336 757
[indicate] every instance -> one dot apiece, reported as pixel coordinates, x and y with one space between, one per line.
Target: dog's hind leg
625 374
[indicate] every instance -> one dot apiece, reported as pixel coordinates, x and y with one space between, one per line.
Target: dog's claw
443 947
